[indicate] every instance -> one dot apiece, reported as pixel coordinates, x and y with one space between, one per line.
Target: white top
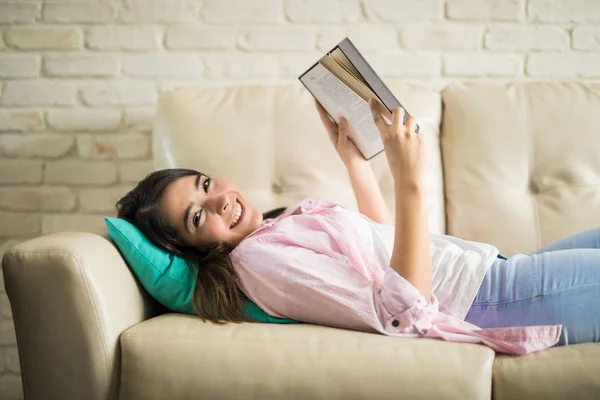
458 266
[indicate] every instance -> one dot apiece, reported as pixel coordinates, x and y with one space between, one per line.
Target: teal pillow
165 277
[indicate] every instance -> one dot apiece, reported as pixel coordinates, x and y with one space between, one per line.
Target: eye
196 218
206 184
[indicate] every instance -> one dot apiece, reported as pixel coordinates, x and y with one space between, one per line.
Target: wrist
357 164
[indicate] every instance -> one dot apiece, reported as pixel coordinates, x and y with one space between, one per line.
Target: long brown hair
216 296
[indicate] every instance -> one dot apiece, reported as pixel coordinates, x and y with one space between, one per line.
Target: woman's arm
368 194
405 152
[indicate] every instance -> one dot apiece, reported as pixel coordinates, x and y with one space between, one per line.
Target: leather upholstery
71 295
521 162
181 357
520 169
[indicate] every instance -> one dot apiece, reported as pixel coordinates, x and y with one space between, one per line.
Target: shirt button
395 323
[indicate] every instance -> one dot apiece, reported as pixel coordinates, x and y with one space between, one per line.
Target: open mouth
238 214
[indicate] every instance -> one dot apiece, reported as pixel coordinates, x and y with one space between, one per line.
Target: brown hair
216 295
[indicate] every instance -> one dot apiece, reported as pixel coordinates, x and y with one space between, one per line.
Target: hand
404 148
339 137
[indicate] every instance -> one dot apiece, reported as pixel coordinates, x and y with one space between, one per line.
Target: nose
220 203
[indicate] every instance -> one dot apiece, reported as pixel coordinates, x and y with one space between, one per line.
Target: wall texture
79 80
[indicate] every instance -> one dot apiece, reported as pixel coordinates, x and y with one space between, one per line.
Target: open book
343 82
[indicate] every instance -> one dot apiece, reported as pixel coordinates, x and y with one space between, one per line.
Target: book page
339 100
341 59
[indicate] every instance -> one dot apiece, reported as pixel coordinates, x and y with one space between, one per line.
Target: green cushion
167 278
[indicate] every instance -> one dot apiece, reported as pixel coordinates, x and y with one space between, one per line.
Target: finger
398 117
343 129
411 124
377 117
326 120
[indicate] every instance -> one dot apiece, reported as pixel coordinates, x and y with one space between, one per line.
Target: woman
320 263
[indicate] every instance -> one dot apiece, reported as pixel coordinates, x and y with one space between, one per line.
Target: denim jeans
558 284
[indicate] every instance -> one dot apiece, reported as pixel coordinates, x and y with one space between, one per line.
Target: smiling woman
200 219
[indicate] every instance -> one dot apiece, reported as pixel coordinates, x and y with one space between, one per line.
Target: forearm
410 256
368 194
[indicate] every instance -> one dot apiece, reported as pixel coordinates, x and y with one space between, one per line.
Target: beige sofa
514 165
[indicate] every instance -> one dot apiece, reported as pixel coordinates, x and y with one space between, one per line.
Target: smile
238 215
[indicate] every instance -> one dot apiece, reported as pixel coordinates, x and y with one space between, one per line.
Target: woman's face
205 211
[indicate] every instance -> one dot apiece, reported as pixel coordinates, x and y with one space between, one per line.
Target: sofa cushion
180 357
167 278
268 139
557 373
521 162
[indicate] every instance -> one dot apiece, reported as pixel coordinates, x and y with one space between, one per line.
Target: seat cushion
521 162
557 373
178 356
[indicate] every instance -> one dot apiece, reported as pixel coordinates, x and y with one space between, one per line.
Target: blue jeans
558 284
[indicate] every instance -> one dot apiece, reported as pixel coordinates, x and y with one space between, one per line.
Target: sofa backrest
521 162
268 139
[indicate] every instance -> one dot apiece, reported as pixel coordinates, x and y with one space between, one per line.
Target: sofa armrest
72 295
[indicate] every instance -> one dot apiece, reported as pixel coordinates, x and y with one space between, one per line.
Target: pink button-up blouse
315 263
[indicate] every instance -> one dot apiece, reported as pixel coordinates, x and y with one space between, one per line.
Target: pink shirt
314 263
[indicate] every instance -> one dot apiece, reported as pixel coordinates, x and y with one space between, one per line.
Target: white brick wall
80 79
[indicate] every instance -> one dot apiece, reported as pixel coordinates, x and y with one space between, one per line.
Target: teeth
237 214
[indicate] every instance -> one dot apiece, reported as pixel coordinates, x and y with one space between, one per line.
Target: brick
2 45
35 145
482 65
134 171
160 11
44 38
365 37
20 171
131 38
139 118
38 93
11 13
235 11
6 312
81 65
564 65
12 388
80 172
499 10
85 12
37 198
101 200
517 37
404 10
275 38
163 65
241 65
73 223
441 37
84 119
10 357
21 120
129 146
318 11
7 336
586 38
201 38
564 10
118 93
293 64
19 65
407 65
18 224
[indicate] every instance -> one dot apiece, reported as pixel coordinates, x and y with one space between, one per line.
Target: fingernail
371 102
342 121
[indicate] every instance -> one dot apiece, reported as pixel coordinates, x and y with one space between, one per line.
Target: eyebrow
189 208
